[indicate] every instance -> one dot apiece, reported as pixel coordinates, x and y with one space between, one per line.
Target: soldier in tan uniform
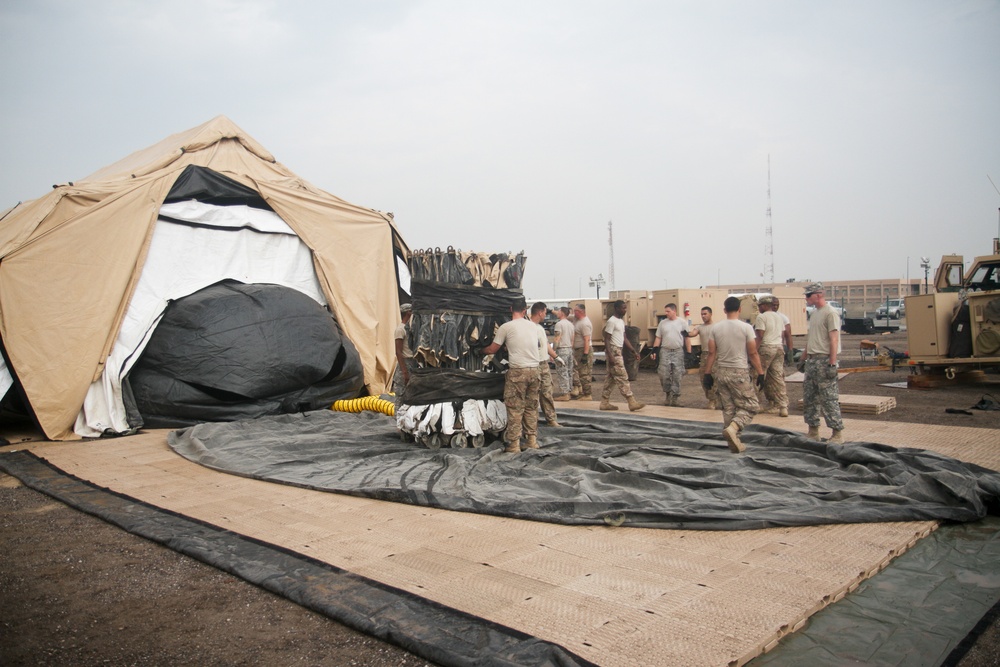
520 390
770 328
583 354
545 398
703 331
614 340
732 349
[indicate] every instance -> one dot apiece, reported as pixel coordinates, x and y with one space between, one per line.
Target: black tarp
234 351
439 385
607 469
436 297
211 187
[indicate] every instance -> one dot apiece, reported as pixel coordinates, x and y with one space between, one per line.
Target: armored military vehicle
957 329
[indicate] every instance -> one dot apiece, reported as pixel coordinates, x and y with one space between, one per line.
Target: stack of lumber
864 405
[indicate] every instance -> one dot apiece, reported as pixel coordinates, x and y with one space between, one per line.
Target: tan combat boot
561 398
836 438
531 442
813 433
634 404
783 412
732 435
607 405
512 448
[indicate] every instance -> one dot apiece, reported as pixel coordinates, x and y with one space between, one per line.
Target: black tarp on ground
234 351
601 468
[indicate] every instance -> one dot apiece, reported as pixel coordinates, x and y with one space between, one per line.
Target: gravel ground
77 591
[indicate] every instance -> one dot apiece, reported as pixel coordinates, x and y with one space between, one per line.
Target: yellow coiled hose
371 403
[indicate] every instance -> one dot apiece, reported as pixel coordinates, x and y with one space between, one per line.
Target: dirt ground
77 591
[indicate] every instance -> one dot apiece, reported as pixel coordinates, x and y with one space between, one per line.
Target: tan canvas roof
70 259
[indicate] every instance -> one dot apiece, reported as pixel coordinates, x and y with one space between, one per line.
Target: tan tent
70 262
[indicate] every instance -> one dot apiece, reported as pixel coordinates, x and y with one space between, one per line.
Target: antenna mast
611 257
769 234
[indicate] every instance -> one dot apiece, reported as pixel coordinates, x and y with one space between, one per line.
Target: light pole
925 264
597 282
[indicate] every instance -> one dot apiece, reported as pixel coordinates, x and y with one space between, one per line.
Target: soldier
564 350
614 339
583 353
670 343
538 311
820 393
732 348
703 331
520 391
770 328
404 355
786 334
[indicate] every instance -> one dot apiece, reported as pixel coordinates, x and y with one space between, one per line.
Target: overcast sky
509 126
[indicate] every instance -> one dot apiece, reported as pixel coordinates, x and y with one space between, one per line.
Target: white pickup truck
833 304
895 309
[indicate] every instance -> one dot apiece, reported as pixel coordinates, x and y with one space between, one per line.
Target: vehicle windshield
985 277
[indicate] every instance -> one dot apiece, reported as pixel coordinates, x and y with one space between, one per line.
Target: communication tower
769 234
611 257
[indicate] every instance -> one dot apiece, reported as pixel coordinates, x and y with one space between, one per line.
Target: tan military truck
957 329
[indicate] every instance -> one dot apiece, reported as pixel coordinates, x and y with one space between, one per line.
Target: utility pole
769 233
611 257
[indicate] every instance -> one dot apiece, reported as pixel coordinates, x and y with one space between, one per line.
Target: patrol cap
812 288
765 300
405 307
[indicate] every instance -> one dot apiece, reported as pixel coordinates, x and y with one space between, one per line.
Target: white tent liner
6 380
227 244
233 217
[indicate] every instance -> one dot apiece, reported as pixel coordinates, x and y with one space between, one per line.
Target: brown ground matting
616 596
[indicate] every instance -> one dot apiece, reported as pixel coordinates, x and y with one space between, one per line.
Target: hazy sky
510 126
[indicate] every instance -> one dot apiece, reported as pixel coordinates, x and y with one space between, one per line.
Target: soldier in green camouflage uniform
820 393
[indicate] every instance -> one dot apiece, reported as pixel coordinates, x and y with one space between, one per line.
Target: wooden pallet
864 405
934 380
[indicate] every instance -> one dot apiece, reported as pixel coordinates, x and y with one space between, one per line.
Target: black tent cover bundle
234 351
434 297
607 469
439 385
